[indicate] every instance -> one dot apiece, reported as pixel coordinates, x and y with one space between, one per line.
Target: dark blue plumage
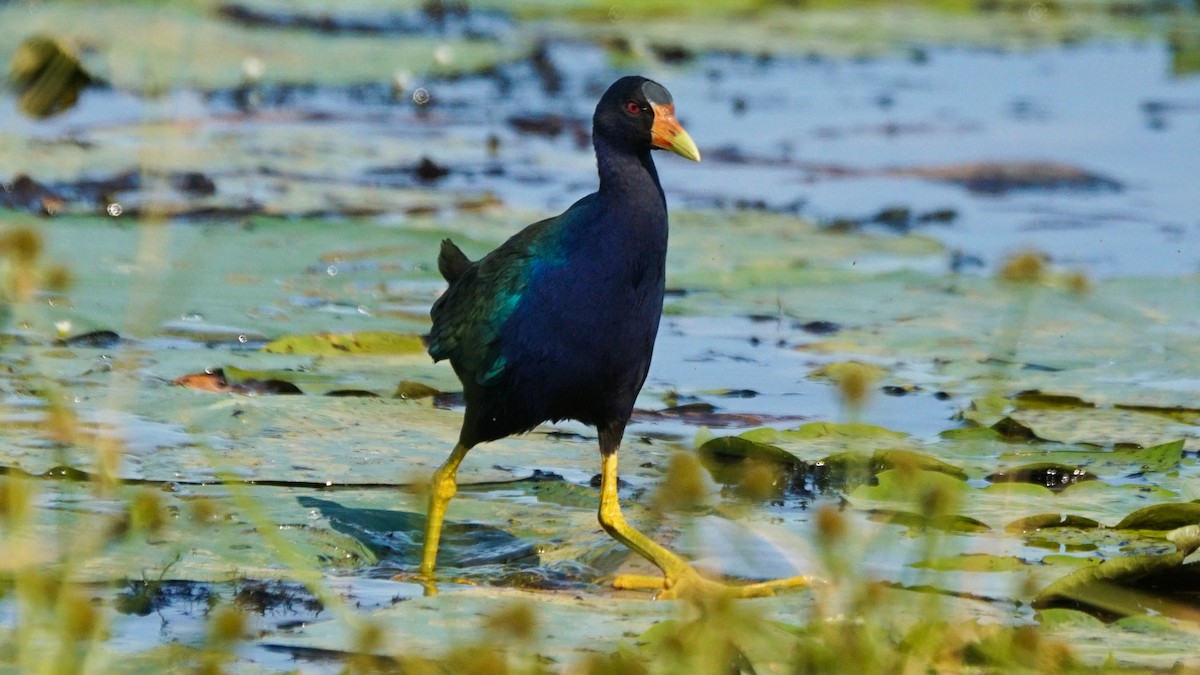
559 321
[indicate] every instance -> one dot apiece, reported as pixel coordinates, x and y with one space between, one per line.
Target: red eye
633 108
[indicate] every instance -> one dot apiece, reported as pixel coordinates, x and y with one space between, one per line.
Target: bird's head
640 114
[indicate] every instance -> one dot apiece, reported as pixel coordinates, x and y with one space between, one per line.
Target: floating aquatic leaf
1053 476
365 342
1014 490
972 434
564 494
1122 462
759 470
1071 561
1127 586
1113 495
98 339
845 430
1162 457
1068 617
915 521
1038 399
988 411
1012 430
1099 426
1151 624
728 458
47 76
909 485
1049 521
414 390
974 562
907 459
1161 517
1177 413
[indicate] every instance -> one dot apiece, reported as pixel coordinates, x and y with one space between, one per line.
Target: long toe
690 584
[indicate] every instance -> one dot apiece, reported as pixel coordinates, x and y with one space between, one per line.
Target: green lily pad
1068 617
729 458
974 562
414 390
906 460
1118 463
916 521
1014 490
1161 517
1151 624
1049 521
1037 399
1124 586
841 430
1053 476
1099 426
364 342
47 76
906 485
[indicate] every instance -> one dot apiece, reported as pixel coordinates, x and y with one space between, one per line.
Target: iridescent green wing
469 318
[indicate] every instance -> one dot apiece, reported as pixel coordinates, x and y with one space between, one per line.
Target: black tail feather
452 262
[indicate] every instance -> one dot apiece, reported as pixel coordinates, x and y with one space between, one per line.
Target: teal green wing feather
468 319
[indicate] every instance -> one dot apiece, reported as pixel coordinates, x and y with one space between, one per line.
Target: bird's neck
628 176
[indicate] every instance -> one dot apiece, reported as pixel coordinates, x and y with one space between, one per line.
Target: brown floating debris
215 381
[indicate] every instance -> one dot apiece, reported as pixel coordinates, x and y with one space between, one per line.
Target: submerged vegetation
218 418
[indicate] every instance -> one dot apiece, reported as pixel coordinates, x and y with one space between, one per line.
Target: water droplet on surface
253 67
421 96
331 270
114 209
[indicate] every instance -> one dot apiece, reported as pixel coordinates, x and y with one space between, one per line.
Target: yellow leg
679 578
441 489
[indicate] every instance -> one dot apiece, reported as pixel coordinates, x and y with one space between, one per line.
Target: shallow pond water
830 139
885 153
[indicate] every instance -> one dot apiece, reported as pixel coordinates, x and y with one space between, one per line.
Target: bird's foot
429 583
689 584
